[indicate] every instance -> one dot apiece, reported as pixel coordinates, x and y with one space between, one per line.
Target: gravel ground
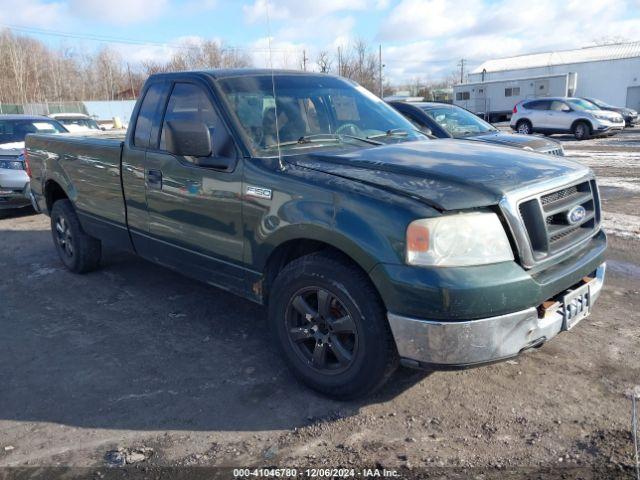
135 364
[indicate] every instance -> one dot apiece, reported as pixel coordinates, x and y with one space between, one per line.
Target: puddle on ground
624 268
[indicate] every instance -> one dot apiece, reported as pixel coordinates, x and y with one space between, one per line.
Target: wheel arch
581 120
53 191
293 248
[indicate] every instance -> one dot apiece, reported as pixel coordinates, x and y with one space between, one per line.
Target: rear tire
331 326
582 131
524 127
79 252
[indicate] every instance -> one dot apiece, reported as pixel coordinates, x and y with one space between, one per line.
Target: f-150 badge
259 192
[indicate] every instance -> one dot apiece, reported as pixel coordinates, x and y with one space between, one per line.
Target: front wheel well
581 120
53 192
291 250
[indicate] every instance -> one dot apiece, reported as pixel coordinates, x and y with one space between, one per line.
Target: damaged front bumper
459 344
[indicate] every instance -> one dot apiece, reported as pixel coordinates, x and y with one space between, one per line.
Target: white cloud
284 54
305 30
416 19
288 9
479 30
119 12
32 13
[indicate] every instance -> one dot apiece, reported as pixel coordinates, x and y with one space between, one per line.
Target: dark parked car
369 244
14 180
450 121
630 116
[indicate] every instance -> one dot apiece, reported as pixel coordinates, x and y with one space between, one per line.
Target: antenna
273 87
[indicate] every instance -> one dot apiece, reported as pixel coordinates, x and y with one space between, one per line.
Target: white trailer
494 100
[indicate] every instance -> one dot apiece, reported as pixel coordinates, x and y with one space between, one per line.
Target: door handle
154 179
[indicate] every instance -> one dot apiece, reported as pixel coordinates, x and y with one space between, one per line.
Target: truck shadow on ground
136 346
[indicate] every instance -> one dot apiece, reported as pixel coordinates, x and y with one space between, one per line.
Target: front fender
366 223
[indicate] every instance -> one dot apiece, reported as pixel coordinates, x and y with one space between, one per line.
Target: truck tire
331 326
79 252
582 131
524 127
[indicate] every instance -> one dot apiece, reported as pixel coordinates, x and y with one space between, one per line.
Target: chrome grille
541 224
559 195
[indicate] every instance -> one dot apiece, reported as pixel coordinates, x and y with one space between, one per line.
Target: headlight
600 117
476 238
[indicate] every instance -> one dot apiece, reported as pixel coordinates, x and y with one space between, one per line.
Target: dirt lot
136 356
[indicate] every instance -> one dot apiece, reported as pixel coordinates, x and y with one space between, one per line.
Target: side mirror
427 131
187 138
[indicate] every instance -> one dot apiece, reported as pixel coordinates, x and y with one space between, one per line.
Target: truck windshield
458 122
314 111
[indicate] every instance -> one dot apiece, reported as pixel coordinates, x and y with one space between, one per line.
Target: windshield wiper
394 132
322 137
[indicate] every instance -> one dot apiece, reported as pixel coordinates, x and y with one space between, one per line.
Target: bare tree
358 62
32 72
323 60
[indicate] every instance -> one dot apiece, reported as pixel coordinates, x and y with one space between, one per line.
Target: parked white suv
564 115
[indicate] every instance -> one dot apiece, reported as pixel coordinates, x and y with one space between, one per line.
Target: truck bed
87 166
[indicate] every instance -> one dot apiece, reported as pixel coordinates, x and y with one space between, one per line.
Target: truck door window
152 104
190 102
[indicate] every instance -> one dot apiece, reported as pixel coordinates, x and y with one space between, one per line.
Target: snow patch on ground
628 183
606 159
622 225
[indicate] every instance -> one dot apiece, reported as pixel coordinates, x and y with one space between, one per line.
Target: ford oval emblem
576 214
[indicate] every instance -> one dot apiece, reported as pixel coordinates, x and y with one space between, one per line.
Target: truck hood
539 144
447 174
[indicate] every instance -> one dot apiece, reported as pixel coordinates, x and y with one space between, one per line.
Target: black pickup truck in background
369 244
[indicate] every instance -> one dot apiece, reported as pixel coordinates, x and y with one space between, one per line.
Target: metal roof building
608 72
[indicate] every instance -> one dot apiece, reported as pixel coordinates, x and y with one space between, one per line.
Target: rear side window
151 107
537 105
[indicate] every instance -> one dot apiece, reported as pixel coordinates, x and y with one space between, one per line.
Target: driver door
195 212
558 115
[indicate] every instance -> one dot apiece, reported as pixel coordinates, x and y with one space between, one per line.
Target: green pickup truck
369 244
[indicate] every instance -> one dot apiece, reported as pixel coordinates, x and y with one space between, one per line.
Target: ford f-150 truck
369 244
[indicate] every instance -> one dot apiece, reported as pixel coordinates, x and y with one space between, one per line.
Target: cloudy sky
420 38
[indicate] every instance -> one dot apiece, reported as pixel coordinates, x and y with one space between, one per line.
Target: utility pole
380 65
304 60
339 61
461 65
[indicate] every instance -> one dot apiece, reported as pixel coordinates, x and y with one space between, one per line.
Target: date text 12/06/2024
315 473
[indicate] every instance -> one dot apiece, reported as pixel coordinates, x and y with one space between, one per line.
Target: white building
608 72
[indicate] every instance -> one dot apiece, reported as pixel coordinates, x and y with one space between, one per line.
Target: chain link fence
44 108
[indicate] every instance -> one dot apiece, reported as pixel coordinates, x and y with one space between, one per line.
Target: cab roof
241 72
